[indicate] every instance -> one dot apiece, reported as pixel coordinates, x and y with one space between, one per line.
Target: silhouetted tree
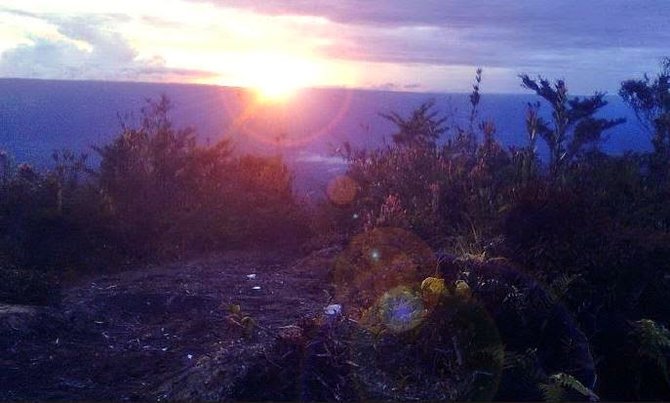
650 99
423 128
573 127
149 174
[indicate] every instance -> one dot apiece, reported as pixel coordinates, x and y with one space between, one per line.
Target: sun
274 89
277 77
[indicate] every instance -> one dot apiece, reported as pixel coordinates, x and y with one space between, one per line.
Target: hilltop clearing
122 336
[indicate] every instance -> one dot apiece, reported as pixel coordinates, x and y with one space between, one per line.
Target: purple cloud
499 33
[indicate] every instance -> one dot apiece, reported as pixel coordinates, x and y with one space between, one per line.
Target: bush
590 228
450 193
171 197
156 195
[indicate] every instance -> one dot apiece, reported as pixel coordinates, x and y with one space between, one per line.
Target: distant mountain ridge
39 116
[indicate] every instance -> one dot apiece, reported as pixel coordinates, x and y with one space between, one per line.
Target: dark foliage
422 129
156 195
574 127
448 193
650 99
590 233
170 196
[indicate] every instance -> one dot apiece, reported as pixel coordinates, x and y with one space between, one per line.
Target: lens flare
378 261
401 309
283 123
342 190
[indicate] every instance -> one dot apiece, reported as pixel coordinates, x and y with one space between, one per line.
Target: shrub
448 192
590 228
170 196
650 100
156 195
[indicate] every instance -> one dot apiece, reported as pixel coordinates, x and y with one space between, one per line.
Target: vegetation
156 195
574 127
650 99
169 196
591 229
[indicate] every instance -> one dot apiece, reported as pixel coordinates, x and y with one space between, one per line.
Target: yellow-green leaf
463 289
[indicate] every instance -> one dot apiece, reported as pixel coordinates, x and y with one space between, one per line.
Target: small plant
433 289
653 344
558 386
245 322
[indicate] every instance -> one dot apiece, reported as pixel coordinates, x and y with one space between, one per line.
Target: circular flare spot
401 309
378 261
342 190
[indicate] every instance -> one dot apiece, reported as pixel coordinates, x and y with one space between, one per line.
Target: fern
560 383
653 343
561 285
552 392
524 365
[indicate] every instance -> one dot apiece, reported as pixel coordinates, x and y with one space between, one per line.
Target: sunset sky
429 45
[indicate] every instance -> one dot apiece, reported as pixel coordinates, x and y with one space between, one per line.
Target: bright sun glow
275 77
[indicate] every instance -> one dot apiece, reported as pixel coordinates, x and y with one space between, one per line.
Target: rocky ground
155 333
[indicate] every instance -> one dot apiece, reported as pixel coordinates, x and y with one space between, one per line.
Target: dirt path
143 334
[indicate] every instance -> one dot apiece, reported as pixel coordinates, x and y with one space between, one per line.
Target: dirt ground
159 332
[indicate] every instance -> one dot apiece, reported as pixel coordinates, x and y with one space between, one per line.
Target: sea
38 117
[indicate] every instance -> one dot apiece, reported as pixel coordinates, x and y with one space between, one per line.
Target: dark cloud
494 32
599 18
108 57
366 12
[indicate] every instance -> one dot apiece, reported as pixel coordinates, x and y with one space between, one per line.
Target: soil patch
143 334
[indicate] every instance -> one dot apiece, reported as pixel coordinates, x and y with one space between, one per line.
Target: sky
402 45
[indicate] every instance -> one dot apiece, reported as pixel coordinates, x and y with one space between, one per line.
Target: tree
423 128
573 127
152 175
650 100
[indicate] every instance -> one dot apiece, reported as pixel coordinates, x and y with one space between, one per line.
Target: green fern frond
552 392
653 343
561 285
560 383
526 359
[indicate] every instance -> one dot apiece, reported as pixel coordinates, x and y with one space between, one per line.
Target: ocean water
40 116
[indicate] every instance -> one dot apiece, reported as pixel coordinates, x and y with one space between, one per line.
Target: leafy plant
650 100
574 127
171 197
241 320
438 189
653 344
559 384
422 129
